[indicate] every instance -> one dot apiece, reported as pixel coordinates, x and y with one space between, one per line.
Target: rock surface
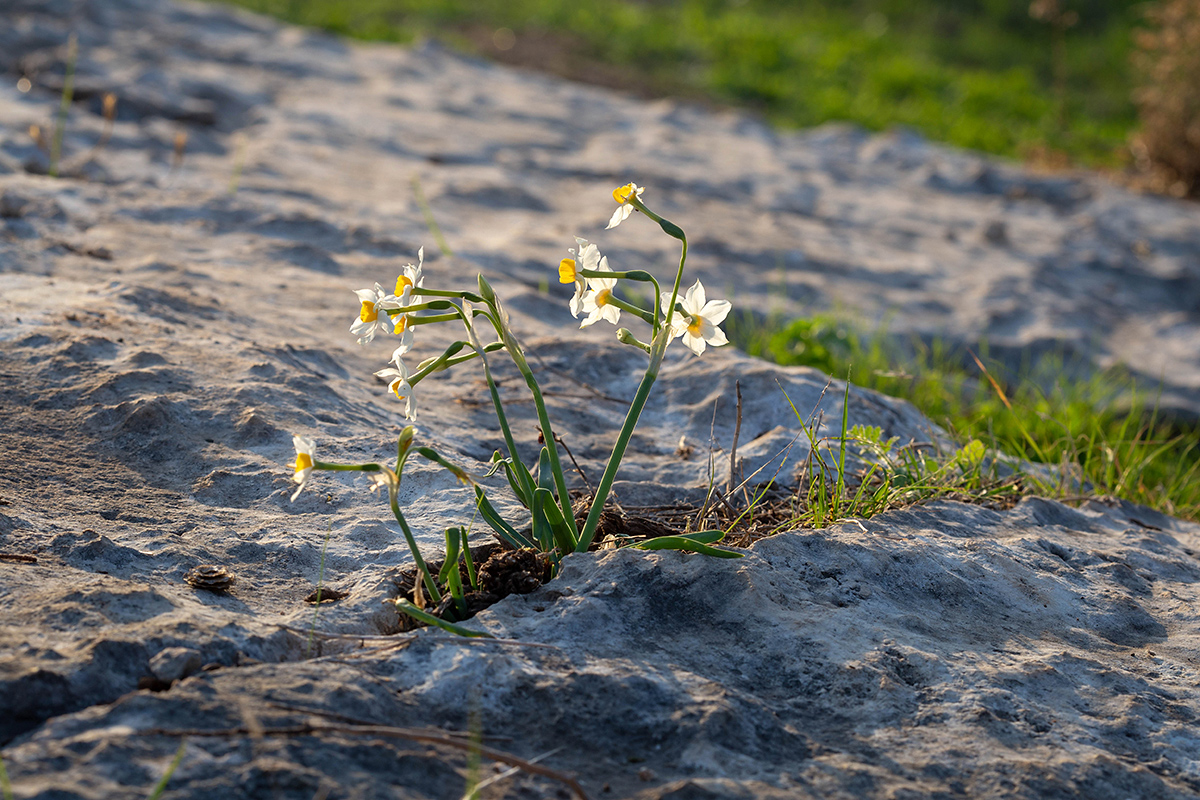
162 336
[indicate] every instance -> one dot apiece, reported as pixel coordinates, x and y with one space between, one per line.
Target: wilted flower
398 384
624 196
372 316
598 299
698 324
570 270
304 463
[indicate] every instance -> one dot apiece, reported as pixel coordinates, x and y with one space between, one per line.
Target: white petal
715 311
694 301
406 343
620 215
718 338
577 299
694 343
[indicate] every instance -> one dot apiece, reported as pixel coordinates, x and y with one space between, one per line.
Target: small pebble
174 663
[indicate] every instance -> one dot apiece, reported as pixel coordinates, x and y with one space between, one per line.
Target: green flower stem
633 275
632 309
657 351
438 305
468 296
432 318
441 364
560 482
412 543
673 230
331 467
501 417
430 584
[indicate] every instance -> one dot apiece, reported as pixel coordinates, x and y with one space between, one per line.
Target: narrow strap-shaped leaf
545 476
466 550
450 565
506 532
541 525
558 526
405 607
497 462
449 574
683 543
704 537
514 480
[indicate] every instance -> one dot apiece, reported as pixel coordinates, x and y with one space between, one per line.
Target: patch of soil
325 595
500 570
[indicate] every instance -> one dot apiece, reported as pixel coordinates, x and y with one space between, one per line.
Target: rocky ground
167 326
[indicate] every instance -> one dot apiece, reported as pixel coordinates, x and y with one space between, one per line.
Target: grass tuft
1100 433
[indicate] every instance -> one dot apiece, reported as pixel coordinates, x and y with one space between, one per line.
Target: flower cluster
389 313
693 317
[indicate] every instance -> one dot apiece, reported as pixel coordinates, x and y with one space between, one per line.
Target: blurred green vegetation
975 73
1103 431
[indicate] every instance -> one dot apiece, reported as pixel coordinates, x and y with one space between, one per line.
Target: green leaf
506 532
545 479
704 537
405 607
450 574
452 552
513 474
684 543
541 525
558 525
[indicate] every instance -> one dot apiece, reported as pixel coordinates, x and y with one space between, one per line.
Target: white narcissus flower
598 299
372 316
410 278
587 256
623 196
698 324
304 463
398 384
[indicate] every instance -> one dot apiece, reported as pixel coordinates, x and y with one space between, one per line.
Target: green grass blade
405 607
686 544
492 517
5 785
162 784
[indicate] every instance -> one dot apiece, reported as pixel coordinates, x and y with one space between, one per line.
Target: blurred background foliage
1053 82
1110 84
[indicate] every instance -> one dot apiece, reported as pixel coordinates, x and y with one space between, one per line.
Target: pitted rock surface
162 336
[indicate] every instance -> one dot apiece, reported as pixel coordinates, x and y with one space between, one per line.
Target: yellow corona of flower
304 463
585 256
372 315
